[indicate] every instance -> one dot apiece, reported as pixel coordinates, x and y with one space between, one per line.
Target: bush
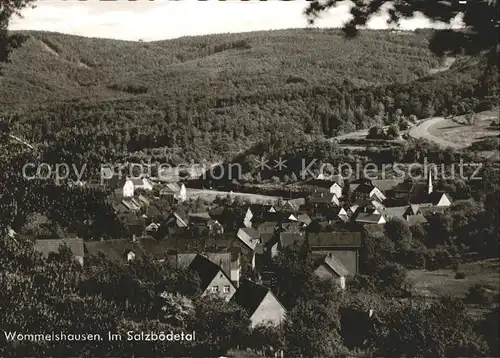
460 276
478 294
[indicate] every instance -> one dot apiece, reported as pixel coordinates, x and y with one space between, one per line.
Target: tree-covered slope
211 96
51 66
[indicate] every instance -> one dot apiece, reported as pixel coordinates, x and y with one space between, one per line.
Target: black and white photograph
249 178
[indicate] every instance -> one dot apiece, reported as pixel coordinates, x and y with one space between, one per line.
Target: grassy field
457 131
442 282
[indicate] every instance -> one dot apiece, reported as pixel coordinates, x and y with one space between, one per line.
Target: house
304 219
143 201
366 190
291 226
228 259
321 199
177 223
370 218
153 227
248 238
133 184
267 227
438 199
343 245
131 204
411 213
51 246
329 268
293 205
259 302
213 279
411 190
332 184
173 192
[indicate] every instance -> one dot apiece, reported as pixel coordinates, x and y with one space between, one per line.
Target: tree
442 330
393 131
8 9
398 231
375 132
480 17
377 250
308 336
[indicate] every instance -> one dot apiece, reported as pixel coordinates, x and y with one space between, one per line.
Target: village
229 243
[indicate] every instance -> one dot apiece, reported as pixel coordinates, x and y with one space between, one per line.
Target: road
422 131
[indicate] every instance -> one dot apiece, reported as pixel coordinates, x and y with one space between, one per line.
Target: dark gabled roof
364 188
405 186
385 185
250 295
436 196
326 183
250 231
295 203
395 211
368 217
334 239
322 198
47 246
206 270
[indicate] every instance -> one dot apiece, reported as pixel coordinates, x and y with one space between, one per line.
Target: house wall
247 221
183 193
128 189
146 185
336 189
444 201
269 311
220 281
348 258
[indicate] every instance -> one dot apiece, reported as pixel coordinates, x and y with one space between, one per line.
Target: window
227 288
215 289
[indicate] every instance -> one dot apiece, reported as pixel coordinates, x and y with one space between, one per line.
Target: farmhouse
214 281
328 267
343 245
259 302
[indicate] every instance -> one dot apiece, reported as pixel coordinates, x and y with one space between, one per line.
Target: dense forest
213 96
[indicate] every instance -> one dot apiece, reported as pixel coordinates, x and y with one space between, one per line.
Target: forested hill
212 96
